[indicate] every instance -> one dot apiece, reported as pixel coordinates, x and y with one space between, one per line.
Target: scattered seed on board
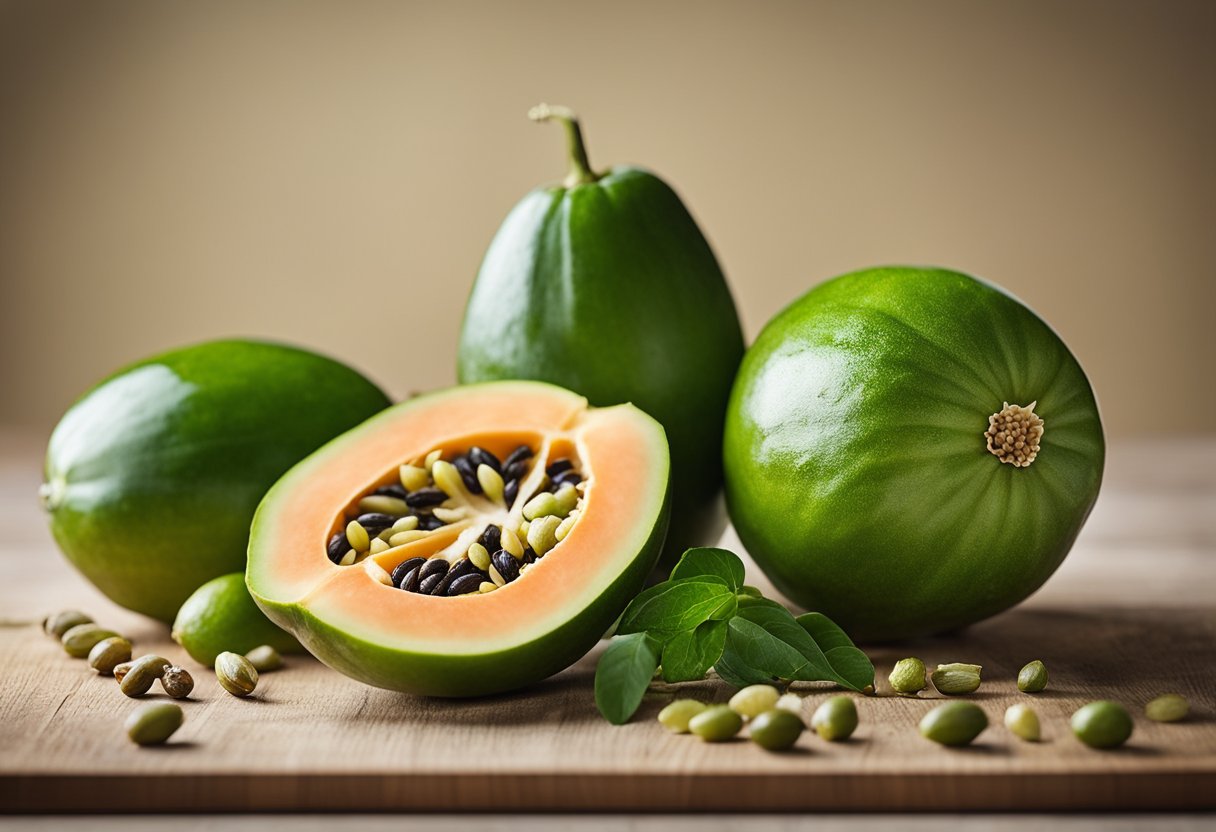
236 674
264 658
108 654
177 682
59 623
154 723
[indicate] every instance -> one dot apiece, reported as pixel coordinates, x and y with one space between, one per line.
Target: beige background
330 174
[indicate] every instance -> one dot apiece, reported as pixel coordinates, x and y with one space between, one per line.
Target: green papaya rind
152 477
857 474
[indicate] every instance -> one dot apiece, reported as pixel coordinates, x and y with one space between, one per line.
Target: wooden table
1128 616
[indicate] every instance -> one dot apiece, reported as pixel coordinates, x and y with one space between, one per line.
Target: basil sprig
704 617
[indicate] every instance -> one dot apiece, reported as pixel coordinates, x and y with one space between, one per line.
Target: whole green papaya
606 286
153 476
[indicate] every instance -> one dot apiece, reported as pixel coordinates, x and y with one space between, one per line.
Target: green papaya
605 285
153 476
910 450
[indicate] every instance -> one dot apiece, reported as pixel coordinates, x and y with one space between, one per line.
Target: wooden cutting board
1130 615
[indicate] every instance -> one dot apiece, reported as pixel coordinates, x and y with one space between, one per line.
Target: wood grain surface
1130 615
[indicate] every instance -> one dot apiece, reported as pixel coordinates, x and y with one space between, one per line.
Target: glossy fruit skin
610 289
221 616
857 473
153 476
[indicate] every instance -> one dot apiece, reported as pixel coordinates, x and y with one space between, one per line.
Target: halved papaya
465 542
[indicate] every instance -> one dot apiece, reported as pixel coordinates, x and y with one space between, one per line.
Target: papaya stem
580 166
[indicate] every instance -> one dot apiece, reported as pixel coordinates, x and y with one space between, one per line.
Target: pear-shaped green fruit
605 285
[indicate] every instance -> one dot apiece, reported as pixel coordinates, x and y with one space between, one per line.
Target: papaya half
466 542
910 450
606 286
152 477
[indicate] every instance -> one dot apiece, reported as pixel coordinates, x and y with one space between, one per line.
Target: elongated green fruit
606 286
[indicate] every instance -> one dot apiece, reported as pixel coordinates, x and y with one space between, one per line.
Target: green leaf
708 561
765 641
623 674
689 655
675 606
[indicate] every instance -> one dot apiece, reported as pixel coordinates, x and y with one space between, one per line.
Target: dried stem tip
1013 434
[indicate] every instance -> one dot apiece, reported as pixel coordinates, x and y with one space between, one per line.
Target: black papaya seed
510 491
459 569
568 477
404 568
517 456
529 556
337 546
395 490
506 564
425 497
429 523
491 538
466 584
515 471
375 522
411 580
480 456
468 473
559 466
434 566
428 584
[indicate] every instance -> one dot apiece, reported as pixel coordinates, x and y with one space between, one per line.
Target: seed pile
1013 434
439 493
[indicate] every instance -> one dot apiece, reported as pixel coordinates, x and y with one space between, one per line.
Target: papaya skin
606 286
857 473
153 476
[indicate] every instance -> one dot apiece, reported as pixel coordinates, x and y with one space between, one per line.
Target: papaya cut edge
624 454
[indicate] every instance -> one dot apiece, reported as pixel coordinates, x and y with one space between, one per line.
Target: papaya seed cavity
1014 433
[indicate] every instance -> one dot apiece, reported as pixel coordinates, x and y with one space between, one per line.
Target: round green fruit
605 285
909 451
221 617
153 476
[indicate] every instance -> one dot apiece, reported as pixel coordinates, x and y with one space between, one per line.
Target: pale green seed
908 676
487 586
79 640
496 576
378 545
954 723
448 480
567 499
716 723
957 678
405 524
1023 722
402 538
108 654
356 536
479 556
1169 707
754 700
491 483
564 527
522 531
542 533
154 723
265 658
59 623
350 557
383 504
510 542
1102 724
138 679
236 674
836 719
449 515
413 477
177 682
776 729
1033 677
431 458
675 716
542 505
